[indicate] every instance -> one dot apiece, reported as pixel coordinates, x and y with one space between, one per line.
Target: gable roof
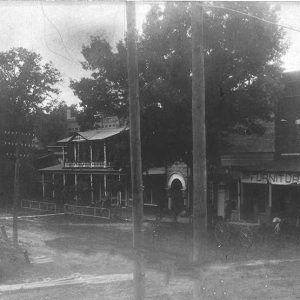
96 134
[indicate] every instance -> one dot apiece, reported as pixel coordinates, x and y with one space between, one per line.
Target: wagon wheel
246 237
222 233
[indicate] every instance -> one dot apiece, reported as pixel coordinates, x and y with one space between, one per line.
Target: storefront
259 193
268 194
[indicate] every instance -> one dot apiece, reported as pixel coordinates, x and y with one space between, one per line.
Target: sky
58 31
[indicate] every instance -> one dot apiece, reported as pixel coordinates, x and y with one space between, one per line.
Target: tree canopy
242 76
25 85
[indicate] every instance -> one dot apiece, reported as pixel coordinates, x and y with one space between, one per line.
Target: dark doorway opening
176 194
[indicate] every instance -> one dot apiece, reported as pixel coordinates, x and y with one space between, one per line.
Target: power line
54 52
70 56
253 17
61 38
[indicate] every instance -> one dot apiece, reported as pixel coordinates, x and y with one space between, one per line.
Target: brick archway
179 177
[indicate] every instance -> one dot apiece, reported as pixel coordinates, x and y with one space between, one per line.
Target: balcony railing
87 165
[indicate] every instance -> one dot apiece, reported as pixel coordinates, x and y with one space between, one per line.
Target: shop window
256 196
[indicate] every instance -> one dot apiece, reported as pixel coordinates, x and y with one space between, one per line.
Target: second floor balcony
88 165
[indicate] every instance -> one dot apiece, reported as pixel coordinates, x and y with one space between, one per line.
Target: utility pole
17 145
135 151
199 134
16 194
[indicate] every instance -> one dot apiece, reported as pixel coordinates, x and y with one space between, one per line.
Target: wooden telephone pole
16 195
199 134
199 144
17 144
135 151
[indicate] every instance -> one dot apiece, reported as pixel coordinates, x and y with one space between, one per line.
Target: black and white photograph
149 150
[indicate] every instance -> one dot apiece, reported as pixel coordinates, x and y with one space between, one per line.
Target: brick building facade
263 171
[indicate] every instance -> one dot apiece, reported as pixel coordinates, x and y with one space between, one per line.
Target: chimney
69 114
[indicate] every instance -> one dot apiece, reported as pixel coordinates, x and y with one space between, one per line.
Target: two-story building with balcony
86 174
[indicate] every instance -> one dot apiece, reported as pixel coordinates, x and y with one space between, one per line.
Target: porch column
53 191
105 185
104 154
269 208
75 182
64 179
100 190
239 200
75 152
78 152
63 152
91 152
119 194
92 189
43 186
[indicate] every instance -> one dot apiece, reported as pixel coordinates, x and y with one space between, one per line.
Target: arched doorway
176 194
176 186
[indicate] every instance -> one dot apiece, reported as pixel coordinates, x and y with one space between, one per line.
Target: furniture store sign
272 178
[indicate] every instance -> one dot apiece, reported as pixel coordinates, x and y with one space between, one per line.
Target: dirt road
74 260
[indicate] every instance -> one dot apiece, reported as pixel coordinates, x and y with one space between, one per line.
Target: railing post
104 153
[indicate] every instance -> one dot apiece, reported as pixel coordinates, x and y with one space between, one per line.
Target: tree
26 85
106 90
242 70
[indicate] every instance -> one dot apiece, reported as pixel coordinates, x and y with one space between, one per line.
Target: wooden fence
39 205
87 211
